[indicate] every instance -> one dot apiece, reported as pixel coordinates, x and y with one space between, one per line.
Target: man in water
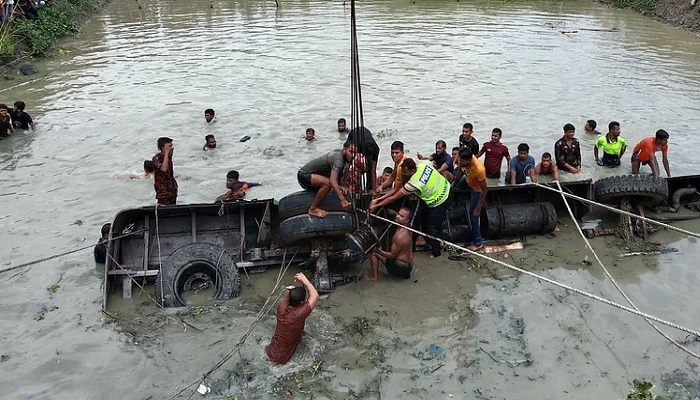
590 126
323 173
5 122
100 251
164 183
521 166
149 169
441 160
613 146
547 167
568 151
20 119
292 312
399 260
473 170
343 126
386 175
236 188
209 115
210 143
495 153
467 140
423 180
645 153
310 135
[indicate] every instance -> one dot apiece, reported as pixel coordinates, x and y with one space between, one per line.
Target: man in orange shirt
475 174
398 155
645 153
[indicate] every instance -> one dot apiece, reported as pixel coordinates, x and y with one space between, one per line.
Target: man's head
661 137
614 129
397 151
211 141
231 179
387 173
342 125
149 167
105 231
403 217
209 114
162 141
455 154
496 135
19 105
523 151
546 160
440 147
569 131
467 130
590 126
3 110
348 151
310 134
408 168
297 296
465 157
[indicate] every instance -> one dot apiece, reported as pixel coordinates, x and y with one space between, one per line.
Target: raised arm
311 293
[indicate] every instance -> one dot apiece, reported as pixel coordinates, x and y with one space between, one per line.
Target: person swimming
149 170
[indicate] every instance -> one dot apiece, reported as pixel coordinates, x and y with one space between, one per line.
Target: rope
27 264
617 210
614 282
548 280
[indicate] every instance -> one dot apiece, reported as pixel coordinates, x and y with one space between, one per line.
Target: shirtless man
210 143
322 173
547 167
398 261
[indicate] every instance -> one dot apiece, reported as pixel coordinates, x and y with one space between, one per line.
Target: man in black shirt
20 119
5 122
467 140
101 246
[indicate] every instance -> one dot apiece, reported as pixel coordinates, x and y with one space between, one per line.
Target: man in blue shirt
521 166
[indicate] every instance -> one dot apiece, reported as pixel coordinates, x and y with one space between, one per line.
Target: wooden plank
126 287
243 238
133 272
146 241
194 225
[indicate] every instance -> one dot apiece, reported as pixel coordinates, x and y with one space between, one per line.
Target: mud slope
679 13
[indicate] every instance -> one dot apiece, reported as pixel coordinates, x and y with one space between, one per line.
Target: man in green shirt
323 173
613 146
426 182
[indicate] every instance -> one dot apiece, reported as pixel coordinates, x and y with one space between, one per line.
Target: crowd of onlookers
11 10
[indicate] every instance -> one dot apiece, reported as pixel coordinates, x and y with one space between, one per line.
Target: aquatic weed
642 391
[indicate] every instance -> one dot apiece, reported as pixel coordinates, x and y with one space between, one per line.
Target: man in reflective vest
425 181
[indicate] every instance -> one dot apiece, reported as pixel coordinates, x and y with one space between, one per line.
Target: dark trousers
431 221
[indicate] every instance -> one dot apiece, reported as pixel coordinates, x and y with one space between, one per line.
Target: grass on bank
641 5
36 37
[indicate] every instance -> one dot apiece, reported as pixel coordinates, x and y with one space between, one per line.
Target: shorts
634 158
304 179
397 268
495 175
611 160
167 201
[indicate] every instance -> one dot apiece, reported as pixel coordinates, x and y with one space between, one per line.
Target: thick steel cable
548 280
614 282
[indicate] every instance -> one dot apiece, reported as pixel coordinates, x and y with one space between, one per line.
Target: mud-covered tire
298 203
304 227
639 189
193 260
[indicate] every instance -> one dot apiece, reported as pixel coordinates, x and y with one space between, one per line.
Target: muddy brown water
457 329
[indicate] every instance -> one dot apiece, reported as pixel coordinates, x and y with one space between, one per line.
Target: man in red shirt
291 316
164 181
495 153
645 153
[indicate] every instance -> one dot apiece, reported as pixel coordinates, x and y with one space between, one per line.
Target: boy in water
149 169
645 153
5 122
20 119
547 167
310 135
164 183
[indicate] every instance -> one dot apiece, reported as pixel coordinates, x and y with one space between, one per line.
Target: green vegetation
37 37
642 391
641 5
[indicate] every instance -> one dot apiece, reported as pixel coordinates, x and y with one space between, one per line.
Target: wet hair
410 212
523 147
3 106
613 125
465 153
208 137
468 126
348 143
397 145
232 175
388 170
310 130
342 120
297 295
209 111
661 134
408 164
592 123
497 130
546 155
568 128
162 141
237 185
455 148
149 166
441 143
105 229
20 105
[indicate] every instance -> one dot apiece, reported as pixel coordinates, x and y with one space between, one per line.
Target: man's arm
311 293
622 152
336 188
666 165
595 152
31 122
482 197
396 195
482 151
533 176
578 158
555 172
511 172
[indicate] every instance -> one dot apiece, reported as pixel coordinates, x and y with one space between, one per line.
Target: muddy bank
681 13
456 329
